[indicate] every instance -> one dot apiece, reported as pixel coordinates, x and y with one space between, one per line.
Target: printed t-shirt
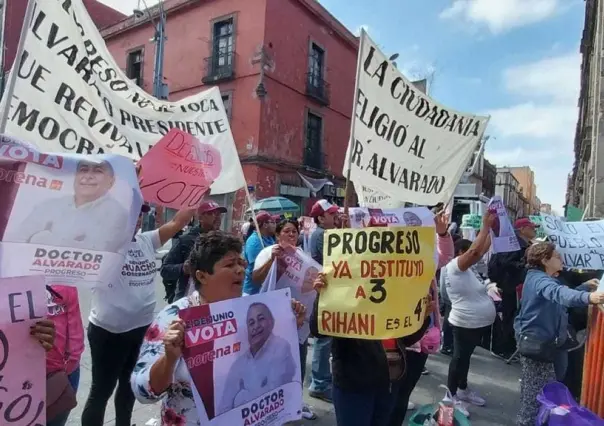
471 306
128 302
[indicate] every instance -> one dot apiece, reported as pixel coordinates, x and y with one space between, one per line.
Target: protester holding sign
417 355
119 317
161 373
542 325
365 372
472 310
284 265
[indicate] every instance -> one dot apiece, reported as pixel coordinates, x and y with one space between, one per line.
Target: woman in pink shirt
64 311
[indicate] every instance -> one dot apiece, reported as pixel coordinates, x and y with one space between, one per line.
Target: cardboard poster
244 360
296 271
503 237
22 359
378 281
179 170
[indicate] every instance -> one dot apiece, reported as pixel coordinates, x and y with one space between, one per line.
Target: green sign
538 220
471 221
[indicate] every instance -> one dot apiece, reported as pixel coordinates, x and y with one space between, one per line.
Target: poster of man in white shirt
66 216
90 217
254 361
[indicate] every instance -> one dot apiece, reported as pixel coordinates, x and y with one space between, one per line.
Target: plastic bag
559 408
439 414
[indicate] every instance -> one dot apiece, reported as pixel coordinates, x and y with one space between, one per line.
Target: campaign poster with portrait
244 361
363 217
503 237
68 217
297 271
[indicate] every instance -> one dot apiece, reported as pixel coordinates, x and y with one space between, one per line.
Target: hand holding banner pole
12 77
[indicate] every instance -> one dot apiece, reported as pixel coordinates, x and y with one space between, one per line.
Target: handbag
430 343
60 395
536 349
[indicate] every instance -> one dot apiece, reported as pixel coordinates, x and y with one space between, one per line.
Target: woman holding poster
366 373
283 265
161 373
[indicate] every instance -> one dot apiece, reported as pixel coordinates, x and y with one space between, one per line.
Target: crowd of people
139 356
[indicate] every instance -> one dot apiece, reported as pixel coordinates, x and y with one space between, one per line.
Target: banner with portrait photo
71 96
297 271
378 281
68 217
503 236
308 227
363 217
244 360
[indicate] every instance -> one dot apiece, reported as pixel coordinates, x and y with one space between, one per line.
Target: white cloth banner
68 217
403 143
296 271
71 96
244 360
374 198
503 237
581 244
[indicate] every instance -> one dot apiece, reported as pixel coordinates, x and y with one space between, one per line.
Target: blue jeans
371 407
61 419
321 367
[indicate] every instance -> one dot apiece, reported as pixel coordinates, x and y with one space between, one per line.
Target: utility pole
160 89
4 6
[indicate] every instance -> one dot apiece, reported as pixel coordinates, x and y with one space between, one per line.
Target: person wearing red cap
175 266
325 215
267 225
508 271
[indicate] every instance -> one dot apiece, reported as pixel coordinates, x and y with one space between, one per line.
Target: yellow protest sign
377 281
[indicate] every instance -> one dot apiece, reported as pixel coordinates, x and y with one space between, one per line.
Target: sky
515 60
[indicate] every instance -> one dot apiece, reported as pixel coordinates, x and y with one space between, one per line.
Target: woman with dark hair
287 240
472 311
161 373
542 325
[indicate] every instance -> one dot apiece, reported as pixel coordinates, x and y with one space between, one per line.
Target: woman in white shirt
288 232
119 318
472 311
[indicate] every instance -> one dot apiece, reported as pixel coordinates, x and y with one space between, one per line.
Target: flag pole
12 78
352 140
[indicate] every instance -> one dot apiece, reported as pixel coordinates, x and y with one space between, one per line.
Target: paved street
492 378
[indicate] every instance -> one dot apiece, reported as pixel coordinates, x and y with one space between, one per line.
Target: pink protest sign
179 170
22 358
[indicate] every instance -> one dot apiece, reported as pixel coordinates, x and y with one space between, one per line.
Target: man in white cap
325 215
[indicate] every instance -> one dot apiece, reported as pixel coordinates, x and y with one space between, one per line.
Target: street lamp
159 87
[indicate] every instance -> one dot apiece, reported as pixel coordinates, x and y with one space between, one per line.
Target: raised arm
178 222
480 245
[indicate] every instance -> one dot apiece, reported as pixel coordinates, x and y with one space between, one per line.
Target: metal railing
317 88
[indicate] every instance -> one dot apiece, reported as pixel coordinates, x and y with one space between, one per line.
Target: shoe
322 395
470 396
460 406
307 414
425 371
410 406
446 351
